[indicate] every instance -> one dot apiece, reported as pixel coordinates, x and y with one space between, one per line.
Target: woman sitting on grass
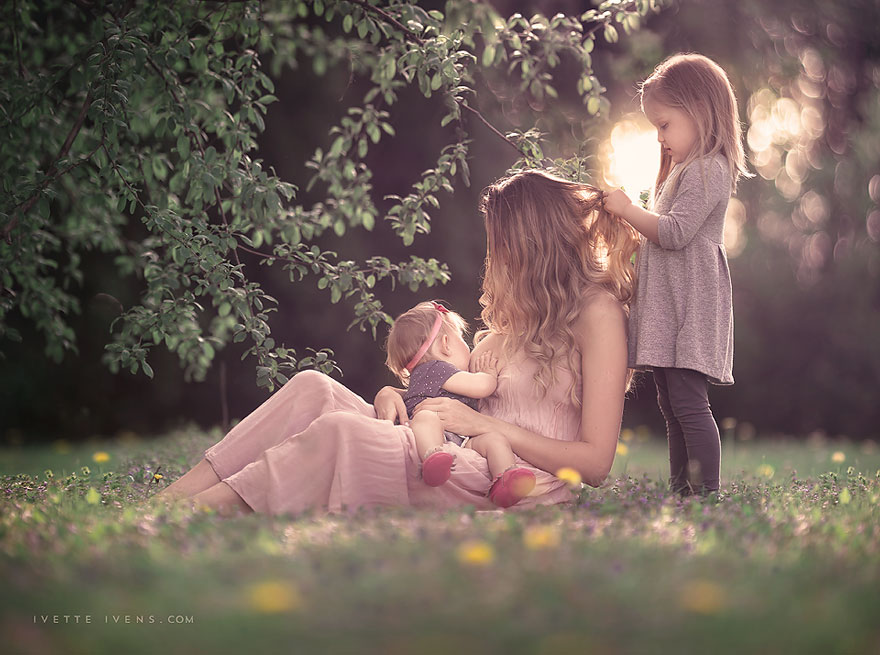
557 284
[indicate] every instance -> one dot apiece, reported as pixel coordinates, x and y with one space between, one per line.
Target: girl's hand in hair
616 202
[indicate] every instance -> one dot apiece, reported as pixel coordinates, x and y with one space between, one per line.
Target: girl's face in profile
676 131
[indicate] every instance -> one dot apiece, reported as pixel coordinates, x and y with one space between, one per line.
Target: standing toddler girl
681 321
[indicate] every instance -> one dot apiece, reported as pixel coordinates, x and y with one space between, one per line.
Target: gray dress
682 315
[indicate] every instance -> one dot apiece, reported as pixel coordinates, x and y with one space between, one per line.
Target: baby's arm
479 384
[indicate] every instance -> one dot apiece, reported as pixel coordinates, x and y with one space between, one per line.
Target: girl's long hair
699 87
550 243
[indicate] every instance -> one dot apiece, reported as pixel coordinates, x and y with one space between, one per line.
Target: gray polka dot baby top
426 381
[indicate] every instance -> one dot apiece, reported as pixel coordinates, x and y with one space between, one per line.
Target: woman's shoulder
600 310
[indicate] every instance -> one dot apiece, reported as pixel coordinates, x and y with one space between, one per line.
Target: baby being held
427 351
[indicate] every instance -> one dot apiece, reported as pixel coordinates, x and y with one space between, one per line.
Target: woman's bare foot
198 479
223 499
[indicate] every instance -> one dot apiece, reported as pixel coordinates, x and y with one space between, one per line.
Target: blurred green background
804 233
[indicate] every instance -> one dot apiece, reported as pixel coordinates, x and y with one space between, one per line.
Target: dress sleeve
699 191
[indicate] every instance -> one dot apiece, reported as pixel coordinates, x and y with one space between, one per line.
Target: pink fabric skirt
315 445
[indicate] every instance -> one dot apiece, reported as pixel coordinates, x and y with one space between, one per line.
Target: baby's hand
617 201
485 363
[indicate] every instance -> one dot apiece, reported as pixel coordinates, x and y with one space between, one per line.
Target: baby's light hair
699 87
409 332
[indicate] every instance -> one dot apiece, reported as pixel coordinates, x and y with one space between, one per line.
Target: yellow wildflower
766 471
61 446
703 597
100 456
838 457
93 497
622 449
539 537
570 476
158 476
273 597
475 553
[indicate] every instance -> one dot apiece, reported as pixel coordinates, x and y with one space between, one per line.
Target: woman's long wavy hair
550 242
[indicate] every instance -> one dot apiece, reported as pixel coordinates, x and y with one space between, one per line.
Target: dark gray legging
694 442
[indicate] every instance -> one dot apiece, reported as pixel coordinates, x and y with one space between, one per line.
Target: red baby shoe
437 468
511 487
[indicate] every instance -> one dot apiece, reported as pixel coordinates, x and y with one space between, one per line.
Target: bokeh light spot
631 158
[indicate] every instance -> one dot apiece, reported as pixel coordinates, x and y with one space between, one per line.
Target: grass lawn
788 561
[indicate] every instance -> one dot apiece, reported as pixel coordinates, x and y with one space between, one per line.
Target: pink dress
316 445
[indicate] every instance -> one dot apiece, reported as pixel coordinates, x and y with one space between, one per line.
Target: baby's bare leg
428 431
496 450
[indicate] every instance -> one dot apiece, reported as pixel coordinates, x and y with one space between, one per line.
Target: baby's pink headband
435 330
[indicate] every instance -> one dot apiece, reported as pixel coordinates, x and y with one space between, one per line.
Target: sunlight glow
734 237
631 158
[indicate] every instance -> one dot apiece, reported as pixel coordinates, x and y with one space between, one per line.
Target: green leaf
183 146
93 497
147 369
488 55
611 34
347 23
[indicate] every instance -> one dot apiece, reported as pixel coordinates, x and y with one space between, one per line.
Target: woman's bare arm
601 333
602 344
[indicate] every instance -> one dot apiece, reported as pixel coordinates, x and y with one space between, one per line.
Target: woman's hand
389 406
456 416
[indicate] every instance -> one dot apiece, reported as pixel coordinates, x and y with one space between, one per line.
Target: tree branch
53 173
391 20
633 4
199 145
415 38
16 39
494 129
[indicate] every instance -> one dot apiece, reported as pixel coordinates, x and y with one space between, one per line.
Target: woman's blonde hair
549 243
699 87
411 329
